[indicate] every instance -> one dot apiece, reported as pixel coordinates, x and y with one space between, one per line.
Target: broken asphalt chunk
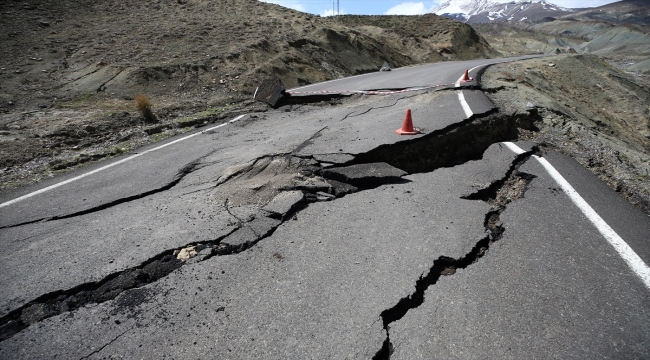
270 91
334 158
249 234
323 196
365 175
340 188
283 203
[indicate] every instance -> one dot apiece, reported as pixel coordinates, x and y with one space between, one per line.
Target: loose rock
185 253
271 91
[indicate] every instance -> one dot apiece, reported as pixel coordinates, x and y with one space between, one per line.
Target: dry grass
143 104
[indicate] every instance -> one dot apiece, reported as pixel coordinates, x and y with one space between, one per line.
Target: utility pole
335 10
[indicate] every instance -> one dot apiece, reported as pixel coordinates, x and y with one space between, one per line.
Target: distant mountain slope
636 12
622 40
481 11
621 12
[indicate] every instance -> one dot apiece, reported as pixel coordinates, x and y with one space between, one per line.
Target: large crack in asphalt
246 234
96 351
499 194
383 165
453 145
108 288
180 175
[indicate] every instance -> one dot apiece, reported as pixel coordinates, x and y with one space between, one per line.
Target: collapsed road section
289 183
187 212
327 235
295 182
301 262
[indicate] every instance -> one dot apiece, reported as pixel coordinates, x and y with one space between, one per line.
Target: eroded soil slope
69 69
213 49
587 109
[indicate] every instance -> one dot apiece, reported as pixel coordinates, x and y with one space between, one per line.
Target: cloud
573 3
330 12
291 4
407 8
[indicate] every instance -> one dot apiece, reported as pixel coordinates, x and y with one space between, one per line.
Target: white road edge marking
113 164
624 250
457 84
329 81
465 105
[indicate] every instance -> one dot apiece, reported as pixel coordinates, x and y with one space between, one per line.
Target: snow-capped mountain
481 11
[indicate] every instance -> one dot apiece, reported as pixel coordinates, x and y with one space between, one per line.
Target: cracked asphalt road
319 233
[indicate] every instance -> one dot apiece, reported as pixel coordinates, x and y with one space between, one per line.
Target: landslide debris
264 192
69 69
586 109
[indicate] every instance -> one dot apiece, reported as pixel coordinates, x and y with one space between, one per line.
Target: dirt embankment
69 69
216 51
587 109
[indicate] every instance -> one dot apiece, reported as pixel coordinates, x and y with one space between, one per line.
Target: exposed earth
70 71
585 108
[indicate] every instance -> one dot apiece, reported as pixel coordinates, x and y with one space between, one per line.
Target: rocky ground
586 108
69 70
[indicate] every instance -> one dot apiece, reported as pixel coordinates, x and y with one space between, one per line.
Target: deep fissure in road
186 170
499 194
248 233
452 146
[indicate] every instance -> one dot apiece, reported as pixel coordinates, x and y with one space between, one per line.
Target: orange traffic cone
466 77
407 126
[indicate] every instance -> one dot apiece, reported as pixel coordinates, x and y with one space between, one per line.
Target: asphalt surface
436 74
310 245
547 281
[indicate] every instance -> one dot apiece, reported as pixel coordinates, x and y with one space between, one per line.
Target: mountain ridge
635 12
480 11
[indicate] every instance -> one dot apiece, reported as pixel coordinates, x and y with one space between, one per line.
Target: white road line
329 81
624 250
465 105
113 164
469 71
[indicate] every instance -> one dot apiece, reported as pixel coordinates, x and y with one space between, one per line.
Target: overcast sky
396 7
